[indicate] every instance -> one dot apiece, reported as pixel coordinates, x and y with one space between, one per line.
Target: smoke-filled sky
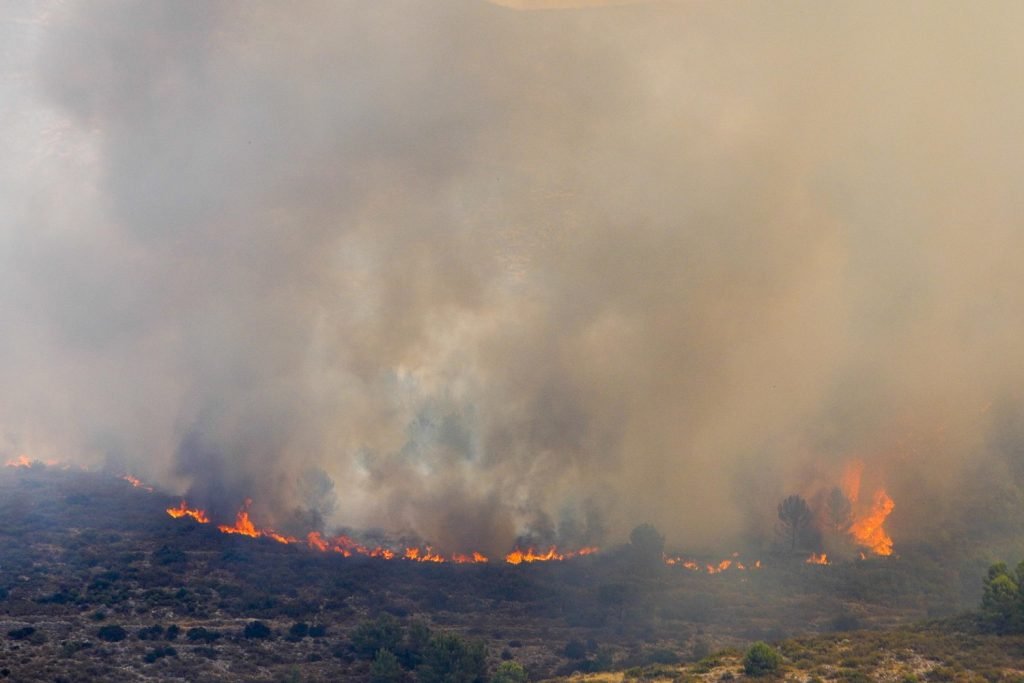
489 271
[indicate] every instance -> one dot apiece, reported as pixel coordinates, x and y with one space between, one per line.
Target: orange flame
531 554
348 547
732 563
20 461
244 526
136 483
850 482
183 510
475 558
869 531
818 559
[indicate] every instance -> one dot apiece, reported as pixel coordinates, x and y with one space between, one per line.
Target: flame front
818 559
183 510
348 547
869 531
531 554
244 526
136 483
717 568
20 461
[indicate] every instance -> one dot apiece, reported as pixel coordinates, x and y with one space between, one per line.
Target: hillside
98 582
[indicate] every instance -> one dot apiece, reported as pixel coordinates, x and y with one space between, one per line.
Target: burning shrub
761 659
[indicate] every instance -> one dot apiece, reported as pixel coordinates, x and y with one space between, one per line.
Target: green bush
509 672
761 659
370 637
386 668
450 659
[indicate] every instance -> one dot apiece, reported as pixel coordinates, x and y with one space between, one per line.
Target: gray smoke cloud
466 272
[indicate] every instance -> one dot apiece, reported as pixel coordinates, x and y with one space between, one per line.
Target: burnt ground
83 553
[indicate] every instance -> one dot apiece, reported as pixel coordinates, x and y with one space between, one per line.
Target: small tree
796 517
256 629
840 511
761 659
1002 604
450 659
386 668
111 633
384 633
646 545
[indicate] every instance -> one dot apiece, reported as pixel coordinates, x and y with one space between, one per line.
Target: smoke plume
472 273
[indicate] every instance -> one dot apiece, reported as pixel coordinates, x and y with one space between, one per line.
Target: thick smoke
472 273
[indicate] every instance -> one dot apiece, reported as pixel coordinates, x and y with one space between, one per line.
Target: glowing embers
183 510
733 563
818 559
136 483
552 554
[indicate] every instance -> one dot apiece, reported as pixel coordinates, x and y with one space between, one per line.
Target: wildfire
136 483
244 526
348 547
868 528
20 461
183 510
818 559
731 563
531 554
869 532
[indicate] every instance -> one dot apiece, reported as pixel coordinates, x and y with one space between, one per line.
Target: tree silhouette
646 545
840 511
795 516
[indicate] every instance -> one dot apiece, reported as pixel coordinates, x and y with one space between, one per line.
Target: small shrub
154 632
385 668
761 659
509 672
200 634
256 629
21 633
574 649
111 633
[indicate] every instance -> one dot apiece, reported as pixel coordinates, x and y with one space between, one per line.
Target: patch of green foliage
761 659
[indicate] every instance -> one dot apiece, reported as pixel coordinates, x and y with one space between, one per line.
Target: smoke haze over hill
457 270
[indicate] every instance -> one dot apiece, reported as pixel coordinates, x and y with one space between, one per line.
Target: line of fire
861 521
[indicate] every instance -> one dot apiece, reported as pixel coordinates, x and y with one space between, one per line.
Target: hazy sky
493 271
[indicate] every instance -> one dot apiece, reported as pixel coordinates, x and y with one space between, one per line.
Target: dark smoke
478 275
